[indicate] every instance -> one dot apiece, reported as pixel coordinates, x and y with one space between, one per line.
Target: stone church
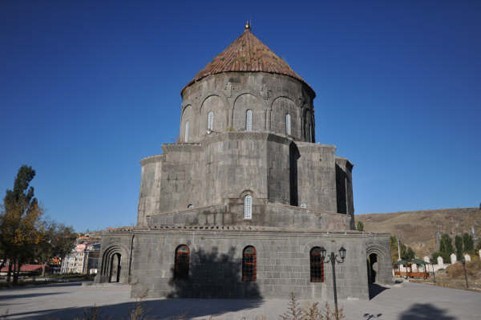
246 203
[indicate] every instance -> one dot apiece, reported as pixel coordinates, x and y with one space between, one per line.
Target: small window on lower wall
182 261
249 264
317 265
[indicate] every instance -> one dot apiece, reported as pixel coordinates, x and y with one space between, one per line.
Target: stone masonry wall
230 95
283 264
219 172
264 214
317 177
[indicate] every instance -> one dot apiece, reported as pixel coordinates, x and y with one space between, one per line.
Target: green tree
360 226
3 258
407 253
57 241
19 222
446 246
435 255
394 249
468 243
458 244
478 245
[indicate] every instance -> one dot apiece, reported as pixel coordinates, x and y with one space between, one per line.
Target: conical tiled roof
246 54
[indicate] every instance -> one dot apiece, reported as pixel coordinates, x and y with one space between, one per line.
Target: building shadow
214 275
425 311
375 289
151 309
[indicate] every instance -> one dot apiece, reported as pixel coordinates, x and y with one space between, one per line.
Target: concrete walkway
408 301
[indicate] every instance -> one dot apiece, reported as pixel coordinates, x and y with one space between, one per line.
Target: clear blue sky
88 88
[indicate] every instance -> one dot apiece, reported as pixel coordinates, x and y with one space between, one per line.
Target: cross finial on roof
248 25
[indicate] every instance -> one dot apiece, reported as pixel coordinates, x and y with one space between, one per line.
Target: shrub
311 311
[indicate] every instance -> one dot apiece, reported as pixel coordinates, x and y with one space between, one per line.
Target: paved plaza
69 301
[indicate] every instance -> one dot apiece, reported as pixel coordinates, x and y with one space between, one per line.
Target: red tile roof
25 268
246 54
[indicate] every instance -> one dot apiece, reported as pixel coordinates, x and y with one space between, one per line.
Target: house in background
84 257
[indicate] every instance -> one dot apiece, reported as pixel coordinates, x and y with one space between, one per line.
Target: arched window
288 124
186 132
248 207
249 264
317 265
182 259
210 121
249 120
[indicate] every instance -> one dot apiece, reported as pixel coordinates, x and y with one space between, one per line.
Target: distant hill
419 229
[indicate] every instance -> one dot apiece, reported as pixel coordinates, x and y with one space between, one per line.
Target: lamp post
333 258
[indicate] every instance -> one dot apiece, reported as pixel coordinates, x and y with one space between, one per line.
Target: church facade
246 203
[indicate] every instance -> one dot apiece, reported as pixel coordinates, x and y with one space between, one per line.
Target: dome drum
242 101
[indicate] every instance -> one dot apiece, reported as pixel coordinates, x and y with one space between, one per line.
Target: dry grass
94 313
453 276
417 229
456 271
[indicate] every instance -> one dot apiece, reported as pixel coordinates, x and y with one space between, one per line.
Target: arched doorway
372 268
115 268
378 267
114 265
